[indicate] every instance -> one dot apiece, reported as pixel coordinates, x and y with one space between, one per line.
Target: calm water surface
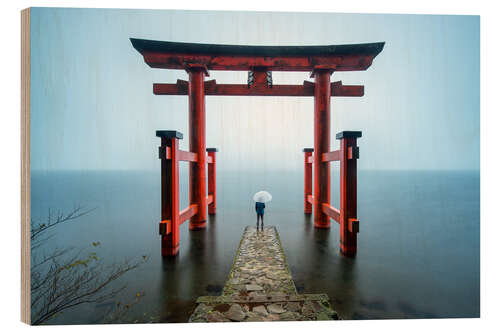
418 246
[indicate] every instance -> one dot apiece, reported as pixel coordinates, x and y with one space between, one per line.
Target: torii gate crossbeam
260 62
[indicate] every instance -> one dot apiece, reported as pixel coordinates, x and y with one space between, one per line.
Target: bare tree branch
76 212
65 278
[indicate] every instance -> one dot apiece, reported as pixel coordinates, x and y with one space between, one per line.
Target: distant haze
92 104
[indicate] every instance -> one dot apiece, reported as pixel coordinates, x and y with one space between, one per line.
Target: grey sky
93 106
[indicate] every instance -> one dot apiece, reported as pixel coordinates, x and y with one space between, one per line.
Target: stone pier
260 287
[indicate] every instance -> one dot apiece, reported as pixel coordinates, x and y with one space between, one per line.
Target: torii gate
259 61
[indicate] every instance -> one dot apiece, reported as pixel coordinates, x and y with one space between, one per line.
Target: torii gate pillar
197 145
322 94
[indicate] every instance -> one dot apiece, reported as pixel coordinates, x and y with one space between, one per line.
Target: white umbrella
262 196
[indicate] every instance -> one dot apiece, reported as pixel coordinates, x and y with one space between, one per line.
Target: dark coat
259 207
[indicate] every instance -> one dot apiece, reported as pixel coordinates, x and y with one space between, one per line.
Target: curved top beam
147 45
174 55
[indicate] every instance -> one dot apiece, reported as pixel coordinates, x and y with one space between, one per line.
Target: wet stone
289 316
260 270
216 316
307 309
235 313
275 308
323 316
198 320
276 293
261 309
203 308
273 317
253 287
251 316
317 307
293 306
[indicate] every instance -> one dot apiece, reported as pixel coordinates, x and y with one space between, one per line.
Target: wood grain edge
25 166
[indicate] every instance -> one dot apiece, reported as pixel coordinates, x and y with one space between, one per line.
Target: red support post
349 225
197 170
169 191
212 183
308 152
322 94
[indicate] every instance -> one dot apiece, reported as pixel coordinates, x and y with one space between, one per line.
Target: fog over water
418 246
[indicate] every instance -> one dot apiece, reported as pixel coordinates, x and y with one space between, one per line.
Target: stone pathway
260 287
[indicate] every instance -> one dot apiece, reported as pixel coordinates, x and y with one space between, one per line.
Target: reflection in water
318 276
175 282
418 246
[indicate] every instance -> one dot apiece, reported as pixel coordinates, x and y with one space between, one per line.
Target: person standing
259 208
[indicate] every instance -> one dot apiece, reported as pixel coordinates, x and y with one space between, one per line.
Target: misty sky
92 105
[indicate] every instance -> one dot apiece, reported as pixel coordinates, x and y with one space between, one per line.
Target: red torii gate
259 61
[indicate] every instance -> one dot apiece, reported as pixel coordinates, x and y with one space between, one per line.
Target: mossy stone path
260 287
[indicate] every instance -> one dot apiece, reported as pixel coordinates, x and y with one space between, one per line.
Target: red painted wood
348 199
196 66
198 170
331 156
331 211
212 187
310 159
321 146
210 199
167 153
306 63
259 76
212 88
170 197
209 85
352 152
209 161
260 90
165 227
353 225
307 181
310 199
188 156
187 213
338 89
